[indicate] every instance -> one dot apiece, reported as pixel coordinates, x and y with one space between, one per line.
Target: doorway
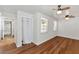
7 28
7 34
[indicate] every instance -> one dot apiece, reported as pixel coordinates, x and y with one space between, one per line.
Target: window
44 25
55 25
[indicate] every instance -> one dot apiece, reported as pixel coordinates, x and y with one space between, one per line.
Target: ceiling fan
66 9
59 9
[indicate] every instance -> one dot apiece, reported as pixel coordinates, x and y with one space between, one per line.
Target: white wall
10 16
69 28
42 37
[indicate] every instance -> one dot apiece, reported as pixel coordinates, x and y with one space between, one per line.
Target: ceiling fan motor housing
59 7
67 16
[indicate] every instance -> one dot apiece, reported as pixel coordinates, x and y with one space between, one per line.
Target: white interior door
27 30
0 28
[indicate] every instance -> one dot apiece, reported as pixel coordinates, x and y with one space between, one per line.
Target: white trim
38 43
76 38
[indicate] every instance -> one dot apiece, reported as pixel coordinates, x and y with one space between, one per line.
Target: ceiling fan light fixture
59 11
67 17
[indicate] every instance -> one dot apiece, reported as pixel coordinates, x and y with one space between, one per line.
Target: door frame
20 14
23 30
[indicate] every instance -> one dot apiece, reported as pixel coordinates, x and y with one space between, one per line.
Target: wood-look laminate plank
57 45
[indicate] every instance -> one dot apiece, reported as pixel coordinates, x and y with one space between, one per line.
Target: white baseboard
26 42
19 45
71 37
38 43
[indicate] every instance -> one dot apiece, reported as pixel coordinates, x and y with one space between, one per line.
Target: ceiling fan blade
54 9
72 16
65 8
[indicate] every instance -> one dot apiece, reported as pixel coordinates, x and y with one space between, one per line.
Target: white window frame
55 25
44 25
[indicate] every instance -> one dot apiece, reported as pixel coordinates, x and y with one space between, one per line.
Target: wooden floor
57 45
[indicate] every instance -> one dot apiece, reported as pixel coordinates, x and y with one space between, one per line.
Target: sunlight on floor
7 41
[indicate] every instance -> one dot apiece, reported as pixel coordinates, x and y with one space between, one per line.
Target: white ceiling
47 9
